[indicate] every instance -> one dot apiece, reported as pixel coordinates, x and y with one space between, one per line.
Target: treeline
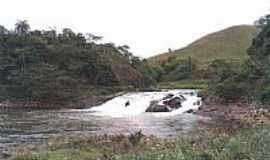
44 64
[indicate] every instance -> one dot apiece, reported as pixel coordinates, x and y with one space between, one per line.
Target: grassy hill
230 44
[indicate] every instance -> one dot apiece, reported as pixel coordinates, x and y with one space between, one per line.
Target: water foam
140 101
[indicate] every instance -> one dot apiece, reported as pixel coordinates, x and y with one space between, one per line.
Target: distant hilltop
230 44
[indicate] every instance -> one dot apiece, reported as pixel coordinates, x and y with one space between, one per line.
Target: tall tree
22 27
3 30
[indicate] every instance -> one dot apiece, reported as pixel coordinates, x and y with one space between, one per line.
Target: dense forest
45 64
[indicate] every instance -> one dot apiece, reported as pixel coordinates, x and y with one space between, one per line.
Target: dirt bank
235 112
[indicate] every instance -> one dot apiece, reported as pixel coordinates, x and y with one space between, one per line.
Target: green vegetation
235 67
178 70
252 79
45 65
259 62
248 144
192 62
193 84
227 82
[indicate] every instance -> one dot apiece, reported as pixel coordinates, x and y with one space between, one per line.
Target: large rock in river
166 104
156 107
174 103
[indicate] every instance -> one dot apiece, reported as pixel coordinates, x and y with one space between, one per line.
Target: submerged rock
182 97
190 111
127 104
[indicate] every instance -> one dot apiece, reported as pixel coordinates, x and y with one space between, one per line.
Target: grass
230 44
248 144
193 84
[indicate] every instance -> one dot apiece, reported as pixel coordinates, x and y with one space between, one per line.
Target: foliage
230 81
178 70
230 44
42 65
248 144
227 82
259 60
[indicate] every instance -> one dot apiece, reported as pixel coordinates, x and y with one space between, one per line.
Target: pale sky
149 27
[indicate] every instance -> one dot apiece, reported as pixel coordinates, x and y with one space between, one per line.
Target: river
19 126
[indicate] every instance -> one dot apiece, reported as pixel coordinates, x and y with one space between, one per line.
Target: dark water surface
26 126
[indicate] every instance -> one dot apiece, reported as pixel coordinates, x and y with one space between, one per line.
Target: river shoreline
79 103
238 112
82 102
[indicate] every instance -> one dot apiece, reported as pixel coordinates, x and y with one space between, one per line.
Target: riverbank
78 103
87 99
204 145
239 112
95 96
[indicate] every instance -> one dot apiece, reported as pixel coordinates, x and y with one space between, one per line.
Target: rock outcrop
167 104
156 107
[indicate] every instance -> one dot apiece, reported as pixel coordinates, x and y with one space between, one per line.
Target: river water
37 126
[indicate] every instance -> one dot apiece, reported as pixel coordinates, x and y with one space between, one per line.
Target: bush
225 81
228 90
179 70
263 95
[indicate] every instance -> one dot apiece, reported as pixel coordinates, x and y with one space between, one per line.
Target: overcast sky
149 27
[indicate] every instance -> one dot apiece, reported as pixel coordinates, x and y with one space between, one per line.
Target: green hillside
230 44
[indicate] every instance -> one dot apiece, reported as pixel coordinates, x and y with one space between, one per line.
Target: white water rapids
140 101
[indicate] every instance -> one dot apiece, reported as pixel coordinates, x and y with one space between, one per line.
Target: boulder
190 111
170 95
155 107
127 104
174 103
167 104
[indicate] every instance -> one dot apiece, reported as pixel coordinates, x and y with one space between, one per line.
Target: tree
260 60
3 30
22 27
92 38
227 83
